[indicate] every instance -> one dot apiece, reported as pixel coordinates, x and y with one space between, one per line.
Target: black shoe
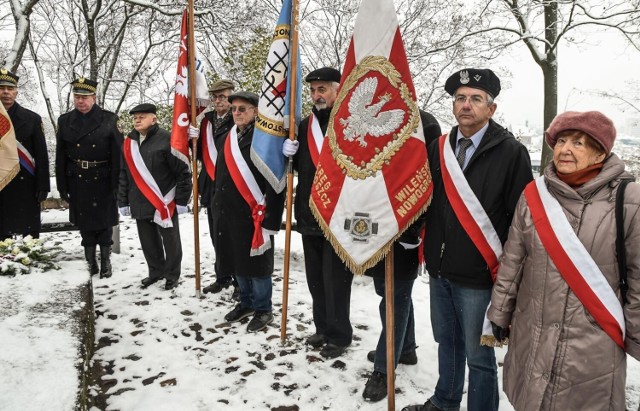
238 313
260 321
407 358
171 284
427 406
332 351
376 387
216 287
317 340
90 256
105 261
146 282
236 293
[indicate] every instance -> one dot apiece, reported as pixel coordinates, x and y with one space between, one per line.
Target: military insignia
375 111
81 80
477 77
464 77
360 227
4 71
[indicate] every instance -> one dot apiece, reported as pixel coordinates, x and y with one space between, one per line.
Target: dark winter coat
558 357
497 173
205 184
232 221
89 137
167 170
19 207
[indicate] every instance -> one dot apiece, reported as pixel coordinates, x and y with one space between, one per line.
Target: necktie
462 154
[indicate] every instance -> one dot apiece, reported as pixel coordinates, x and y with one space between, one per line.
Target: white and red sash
573 261
26 159
164 205
315 139
248 187
468 209
209 151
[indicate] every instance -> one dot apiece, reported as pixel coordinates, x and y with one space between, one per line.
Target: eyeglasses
219 97
240 109
474 100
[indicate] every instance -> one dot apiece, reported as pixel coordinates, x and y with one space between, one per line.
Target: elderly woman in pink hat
558 295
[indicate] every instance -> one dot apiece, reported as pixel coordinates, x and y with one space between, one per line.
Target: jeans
404 326
457 314
255 292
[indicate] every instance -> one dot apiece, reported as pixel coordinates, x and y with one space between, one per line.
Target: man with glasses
479 171
149 172
214 128
246 213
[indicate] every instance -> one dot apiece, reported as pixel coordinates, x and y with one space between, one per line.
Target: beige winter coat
558 357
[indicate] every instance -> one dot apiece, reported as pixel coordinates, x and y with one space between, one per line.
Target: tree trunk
550 73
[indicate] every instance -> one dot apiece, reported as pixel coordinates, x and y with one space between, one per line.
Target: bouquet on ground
18 256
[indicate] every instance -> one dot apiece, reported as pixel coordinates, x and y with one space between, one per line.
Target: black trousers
225 279
97 237
329 282
162 248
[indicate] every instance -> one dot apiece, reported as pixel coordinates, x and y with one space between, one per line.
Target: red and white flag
181 108
373 178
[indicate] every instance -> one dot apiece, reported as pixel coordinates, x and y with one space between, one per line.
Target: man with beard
214 128
87 168
20 199
328 278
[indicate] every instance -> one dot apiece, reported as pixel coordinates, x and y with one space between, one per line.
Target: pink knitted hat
594 123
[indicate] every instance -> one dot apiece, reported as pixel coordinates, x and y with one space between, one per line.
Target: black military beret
144 108
323 74
7 78
84 86
245 95
484 79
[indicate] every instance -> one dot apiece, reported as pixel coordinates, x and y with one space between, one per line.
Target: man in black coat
495 167
219 121
328 278
155 186
246 215
87 168
20 199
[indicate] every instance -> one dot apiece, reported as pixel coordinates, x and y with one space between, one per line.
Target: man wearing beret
328 278
482 171
87 168
246 214
155 186
20 199
218 121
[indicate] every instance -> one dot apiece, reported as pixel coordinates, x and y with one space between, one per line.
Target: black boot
90 256
105 262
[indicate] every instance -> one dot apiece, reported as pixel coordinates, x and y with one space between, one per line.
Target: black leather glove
41 195
64 196
499 332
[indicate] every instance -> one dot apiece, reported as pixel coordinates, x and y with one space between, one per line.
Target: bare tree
21 11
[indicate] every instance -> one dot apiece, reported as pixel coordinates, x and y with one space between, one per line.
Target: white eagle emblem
182 82
366 118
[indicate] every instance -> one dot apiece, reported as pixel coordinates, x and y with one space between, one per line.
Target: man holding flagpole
480 170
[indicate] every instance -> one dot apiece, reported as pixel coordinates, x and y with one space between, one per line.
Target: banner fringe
7 178
278 185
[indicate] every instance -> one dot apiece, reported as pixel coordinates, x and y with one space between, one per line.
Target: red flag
373 178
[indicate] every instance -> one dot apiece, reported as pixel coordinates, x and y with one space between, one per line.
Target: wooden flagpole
293 81
390 331
194 142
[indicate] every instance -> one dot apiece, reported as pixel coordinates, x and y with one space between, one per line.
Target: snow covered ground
168 350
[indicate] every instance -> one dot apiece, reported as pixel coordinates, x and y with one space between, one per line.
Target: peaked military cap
7 78
323 74
221 85
144 108
484 79
245 95
84 86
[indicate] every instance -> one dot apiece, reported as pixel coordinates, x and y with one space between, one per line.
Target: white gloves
193 132
290 147
125 211
181 209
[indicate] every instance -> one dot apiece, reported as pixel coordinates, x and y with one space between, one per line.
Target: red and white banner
164 204
315 139
181 108
248 187
209 151
574 262
9 160
373 178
